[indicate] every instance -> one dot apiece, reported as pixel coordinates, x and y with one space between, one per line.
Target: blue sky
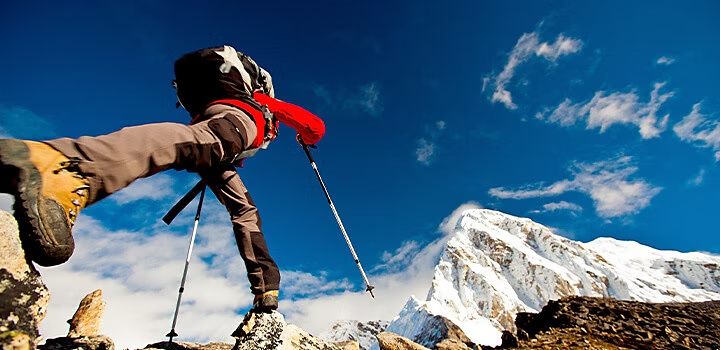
596 118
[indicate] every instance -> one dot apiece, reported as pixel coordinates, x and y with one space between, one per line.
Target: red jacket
310 127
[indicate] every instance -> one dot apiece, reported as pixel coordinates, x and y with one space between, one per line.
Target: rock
15 341
84 327
347 345
452 344
86 321
441 328
93 342
23 295
392 341
188 346
611 324
269 331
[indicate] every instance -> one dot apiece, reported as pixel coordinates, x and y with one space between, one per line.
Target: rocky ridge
568 323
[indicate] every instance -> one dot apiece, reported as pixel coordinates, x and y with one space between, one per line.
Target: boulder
93 342
392 341
269 331
86 320
23 295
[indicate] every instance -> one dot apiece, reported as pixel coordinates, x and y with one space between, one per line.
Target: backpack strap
267 126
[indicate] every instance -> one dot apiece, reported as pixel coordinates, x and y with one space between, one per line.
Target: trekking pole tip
370 289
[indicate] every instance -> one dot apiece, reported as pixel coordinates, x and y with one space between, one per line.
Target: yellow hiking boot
266 302
49 194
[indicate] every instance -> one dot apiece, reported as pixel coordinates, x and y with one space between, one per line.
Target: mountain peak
496 265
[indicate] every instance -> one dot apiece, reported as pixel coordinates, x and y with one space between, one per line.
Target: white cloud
395 280
665 60
6 202
449 224
139 273
528 45
156 187
697 180
299 283
697 129
606 182
561 47
617 108
369 99
562 205
366 99
425 151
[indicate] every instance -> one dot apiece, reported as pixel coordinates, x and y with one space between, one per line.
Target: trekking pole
187 263
337 217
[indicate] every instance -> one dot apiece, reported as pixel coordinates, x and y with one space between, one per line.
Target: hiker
234 114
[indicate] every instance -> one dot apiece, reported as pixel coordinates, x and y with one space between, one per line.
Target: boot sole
19 177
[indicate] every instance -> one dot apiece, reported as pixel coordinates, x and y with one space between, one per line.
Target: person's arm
310 127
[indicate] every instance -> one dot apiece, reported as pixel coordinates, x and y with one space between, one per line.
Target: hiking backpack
218 73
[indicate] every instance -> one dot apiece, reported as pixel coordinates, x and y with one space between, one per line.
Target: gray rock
269 331
23 295
94 342
392 341
442 329
188 346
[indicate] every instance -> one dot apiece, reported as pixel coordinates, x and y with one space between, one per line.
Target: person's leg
263 272
53 180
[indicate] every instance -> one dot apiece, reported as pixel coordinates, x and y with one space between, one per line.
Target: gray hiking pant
111 162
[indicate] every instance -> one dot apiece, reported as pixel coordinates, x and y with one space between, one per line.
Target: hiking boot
266 302
49 193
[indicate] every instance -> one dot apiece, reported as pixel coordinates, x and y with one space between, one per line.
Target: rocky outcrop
587 322
23 295
392 341
86 320
93 342
84 327
269 331
444 330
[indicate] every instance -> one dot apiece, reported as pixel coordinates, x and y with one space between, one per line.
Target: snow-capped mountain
496 265
362 332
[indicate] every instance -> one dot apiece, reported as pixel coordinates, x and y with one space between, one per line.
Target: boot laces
82 191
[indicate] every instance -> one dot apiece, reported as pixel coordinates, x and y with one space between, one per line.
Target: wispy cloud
605 110
528 46
366 99
695 128
665 61
18 122
697 180
298 284
557 206
426 146
606 182
449 224
157 187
